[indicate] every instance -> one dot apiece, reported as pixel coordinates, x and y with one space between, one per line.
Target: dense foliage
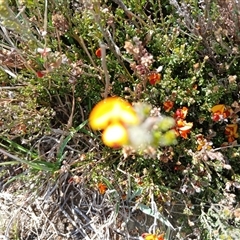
179 59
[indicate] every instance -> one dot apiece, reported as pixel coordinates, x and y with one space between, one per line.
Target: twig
45 23
70 120
104 67
128 12
110 42
79 39
11 87
6 70
220 148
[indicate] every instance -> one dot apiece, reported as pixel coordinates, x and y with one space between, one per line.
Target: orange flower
102 188
124 196
231 132
202 142
227 113
149 236
180 123
167 105
184 112
183 128
154 78
220 112
98 53
181 113
184 133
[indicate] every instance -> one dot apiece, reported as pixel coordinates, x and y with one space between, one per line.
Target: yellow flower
220 112
148 236
112 110
113 115
202 142
218 108
115 135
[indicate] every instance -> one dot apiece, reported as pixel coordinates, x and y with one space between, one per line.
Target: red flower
98 53
216 117
181 113
154 78
40 74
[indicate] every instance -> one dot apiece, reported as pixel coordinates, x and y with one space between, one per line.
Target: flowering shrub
221 114
175 66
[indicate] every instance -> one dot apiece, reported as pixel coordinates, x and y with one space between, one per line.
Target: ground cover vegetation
119 119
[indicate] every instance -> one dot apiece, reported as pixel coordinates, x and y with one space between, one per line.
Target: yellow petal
150 237
232 127
115 135
112 109
153 237
184 112
218 108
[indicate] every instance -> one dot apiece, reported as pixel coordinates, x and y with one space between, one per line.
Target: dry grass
66 204
70 211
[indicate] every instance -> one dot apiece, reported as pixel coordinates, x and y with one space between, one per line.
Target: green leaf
60 155
145 209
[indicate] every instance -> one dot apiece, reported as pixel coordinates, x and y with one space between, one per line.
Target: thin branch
104 67
128 12
70 120
80 40
11 88
221 148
